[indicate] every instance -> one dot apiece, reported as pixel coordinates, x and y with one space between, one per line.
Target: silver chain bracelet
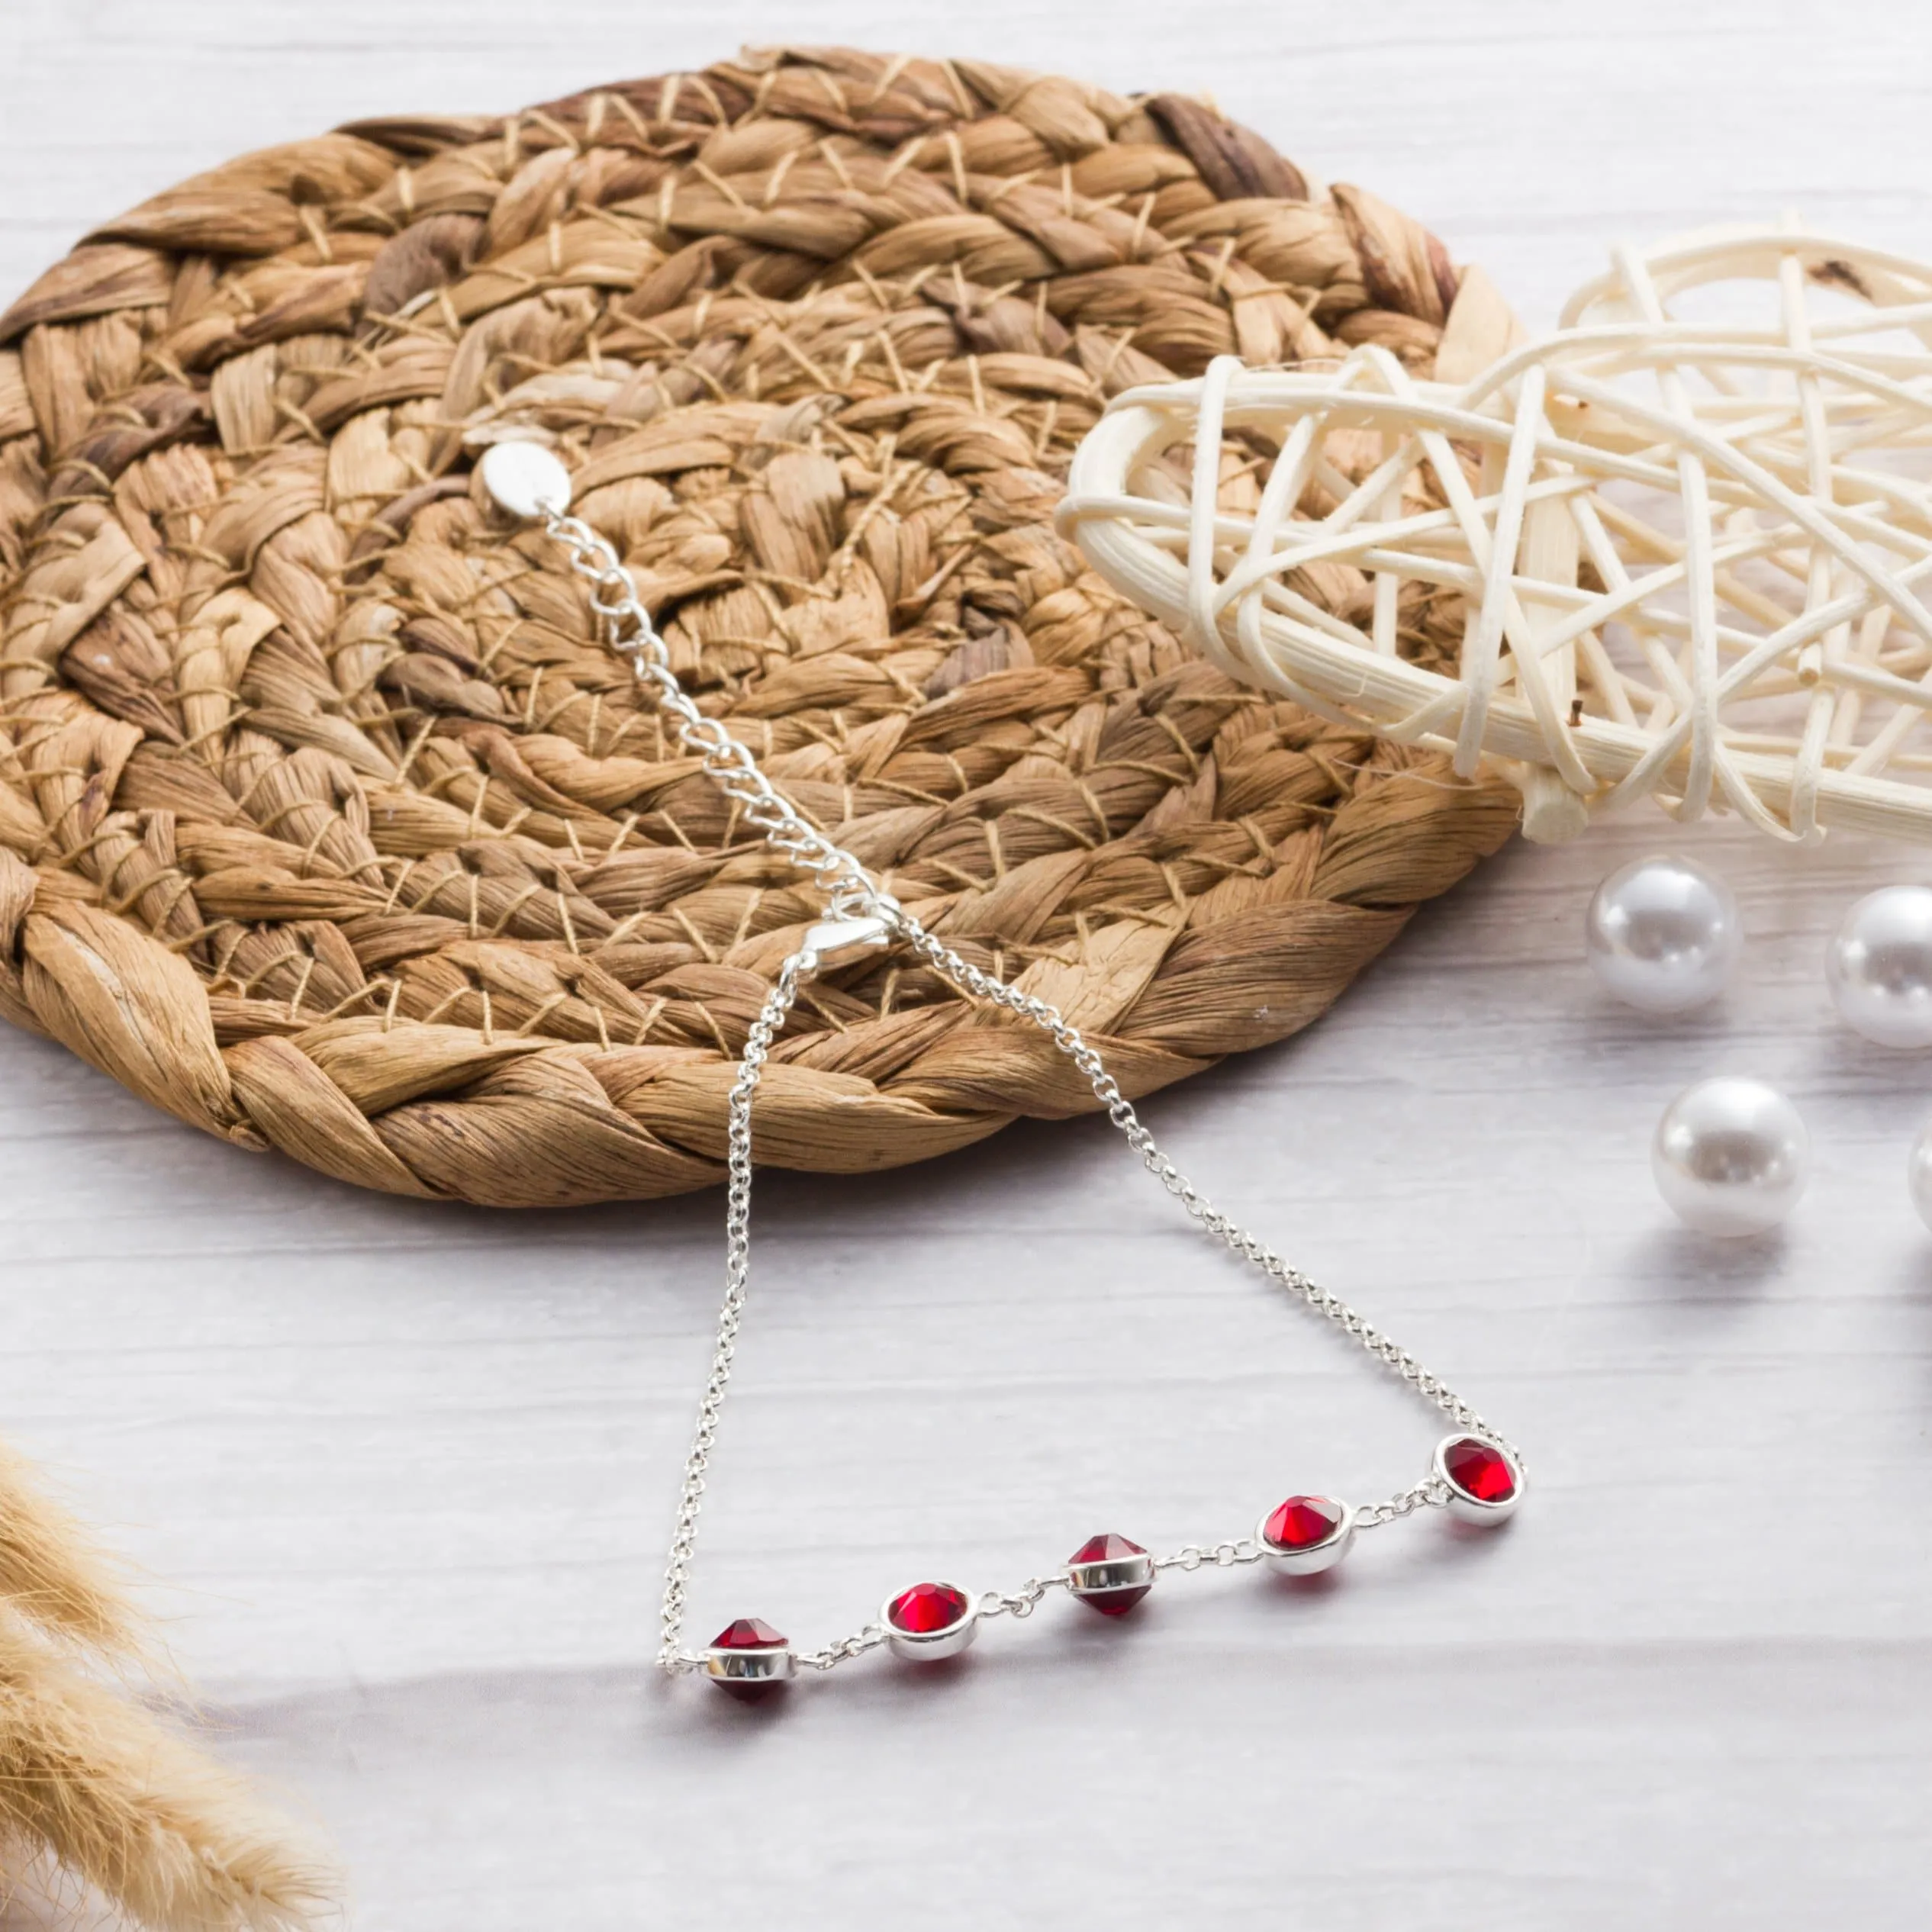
1475 1473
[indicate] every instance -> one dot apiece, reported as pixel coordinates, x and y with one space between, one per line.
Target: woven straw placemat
326 824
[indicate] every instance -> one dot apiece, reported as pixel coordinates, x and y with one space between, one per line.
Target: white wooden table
408 1467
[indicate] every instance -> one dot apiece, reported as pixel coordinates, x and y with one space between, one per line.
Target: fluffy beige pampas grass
92 1782
51 1576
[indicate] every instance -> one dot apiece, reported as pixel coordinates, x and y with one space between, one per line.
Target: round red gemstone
927 1608
1480 1469
747 1633
1303 1522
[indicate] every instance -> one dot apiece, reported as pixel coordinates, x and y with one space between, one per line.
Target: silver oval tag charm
526 479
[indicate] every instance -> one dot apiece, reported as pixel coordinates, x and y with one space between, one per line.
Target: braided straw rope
1690 550
326 825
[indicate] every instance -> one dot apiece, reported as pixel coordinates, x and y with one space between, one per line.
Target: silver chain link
1219 1555
1023 1602
851 893
856 1645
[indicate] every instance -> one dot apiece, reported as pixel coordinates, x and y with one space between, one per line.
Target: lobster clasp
840 942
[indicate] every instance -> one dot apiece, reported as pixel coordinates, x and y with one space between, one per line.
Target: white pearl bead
1918 1173
1879 967
1662 934
1731 1156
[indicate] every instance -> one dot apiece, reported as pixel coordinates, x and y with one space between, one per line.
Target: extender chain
1476 1472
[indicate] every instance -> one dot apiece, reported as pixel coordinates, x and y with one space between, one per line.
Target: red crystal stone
1106 1549
1480 1469
747 1633
1303 1522
1118 1601
927 1608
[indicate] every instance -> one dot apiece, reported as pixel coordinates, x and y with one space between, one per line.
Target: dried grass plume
94 1784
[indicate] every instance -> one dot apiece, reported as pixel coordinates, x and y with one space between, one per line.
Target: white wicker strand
1752 500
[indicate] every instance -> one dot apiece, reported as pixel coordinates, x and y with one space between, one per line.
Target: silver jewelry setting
930 1646
1462 1504
1109 1576
1309 1559
743 1669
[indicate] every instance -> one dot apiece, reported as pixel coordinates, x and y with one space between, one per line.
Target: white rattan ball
1695 555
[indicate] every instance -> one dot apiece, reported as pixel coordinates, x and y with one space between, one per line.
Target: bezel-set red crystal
943 1640
1110 1574
748 1657
1284 1537
1471 1468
